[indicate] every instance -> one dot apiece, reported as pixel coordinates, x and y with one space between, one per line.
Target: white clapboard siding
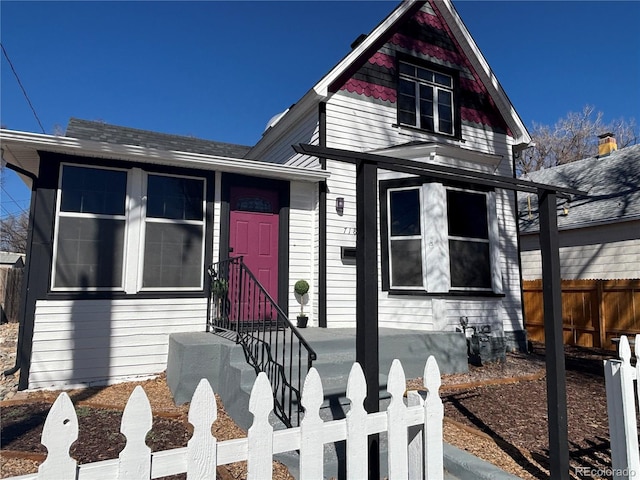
79 342
414 434
302 249
622 395
362 125
306 130
600 252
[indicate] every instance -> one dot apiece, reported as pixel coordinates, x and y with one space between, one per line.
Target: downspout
519 150
322 234
25 279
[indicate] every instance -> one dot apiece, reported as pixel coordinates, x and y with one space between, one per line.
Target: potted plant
219 289
300 289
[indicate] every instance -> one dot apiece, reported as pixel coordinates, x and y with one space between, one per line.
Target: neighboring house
599 235
124 222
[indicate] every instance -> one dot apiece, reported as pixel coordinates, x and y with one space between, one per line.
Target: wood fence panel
593 311
12 293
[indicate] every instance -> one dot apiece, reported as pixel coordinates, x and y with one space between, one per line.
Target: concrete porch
193 356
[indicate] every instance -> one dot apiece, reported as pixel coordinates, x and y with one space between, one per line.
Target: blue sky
221 70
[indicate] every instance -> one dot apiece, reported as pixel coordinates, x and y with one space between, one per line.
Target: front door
253 233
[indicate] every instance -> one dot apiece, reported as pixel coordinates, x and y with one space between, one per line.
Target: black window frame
455 91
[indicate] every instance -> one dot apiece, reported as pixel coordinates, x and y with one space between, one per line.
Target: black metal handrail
240 306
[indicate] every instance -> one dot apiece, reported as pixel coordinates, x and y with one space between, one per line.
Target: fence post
202 454
621 411
135 458
59 432
416 434
311 449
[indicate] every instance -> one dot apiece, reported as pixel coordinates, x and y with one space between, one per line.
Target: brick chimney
606 144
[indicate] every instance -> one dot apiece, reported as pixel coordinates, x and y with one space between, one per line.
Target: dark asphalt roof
612 183
103 132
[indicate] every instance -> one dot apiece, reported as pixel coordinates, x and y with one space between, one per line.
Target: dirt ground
496 411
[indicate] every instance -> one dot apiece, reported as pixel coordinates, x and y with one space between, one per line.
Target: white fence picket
135 458
433 418
202 456
419 422
621 410
260 434
59 432
357 459
396 423
311 450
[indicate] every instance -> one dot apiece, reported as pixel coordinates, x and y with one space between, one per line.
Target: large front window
441 239
425 99
128 230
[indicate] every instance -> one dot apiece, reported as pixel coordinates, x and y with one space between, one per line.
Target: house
599 234
599 248
124 222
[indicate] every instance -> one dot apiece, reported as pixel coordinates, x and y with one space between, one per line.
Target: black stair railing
240 308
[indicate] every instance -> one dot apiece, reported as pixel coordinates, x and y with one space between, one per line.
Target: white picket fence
621 409
414 434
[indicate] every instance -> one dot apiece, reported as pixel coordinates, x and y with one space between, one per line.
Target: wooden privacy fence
413 428
593 311
621 409
10 292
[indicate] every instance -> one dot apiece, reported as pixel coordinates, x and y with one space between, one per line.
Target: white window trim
56 231
135 220
436 270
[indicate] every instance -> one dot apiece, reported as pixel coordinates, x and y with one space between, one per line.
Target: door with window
253 234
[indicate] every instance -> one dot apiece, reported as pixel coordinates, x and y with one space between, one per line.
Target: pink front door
253 234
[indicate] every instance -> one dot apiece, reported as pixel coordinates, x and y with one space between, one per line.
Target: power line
13 200
24 92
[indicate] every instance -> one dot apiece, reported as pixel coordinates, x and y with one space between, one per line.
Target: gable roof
104 132
367 48
612 184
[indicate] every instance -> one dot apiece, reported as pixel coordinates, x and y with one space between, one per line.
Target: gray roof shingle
612 183
103 132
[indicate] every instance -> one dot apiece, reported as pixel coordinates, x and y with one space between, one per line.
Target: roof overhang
444 154
21 152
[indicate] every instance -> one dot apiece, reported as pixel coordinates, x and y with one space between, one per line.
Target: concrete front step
193 356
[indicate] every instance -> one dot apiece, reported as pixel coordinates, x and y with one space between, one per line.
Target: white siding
363 126
302 246
306 131
94 342
606 252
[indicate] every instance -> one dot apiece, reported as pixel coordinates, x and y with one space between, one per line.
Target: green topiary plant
301 288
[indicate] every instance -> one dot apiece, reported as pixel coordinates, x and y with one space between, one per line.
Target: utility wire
24 92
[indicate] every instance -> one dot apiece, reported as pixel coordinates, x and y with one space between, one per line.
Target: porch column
553 341
367 295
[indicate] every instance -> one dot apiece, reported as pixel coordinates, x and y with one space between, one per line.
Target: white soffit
445 154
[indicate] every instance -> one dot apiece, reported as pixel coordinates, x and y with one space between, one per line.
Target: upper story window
425 99
128 230
440 238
